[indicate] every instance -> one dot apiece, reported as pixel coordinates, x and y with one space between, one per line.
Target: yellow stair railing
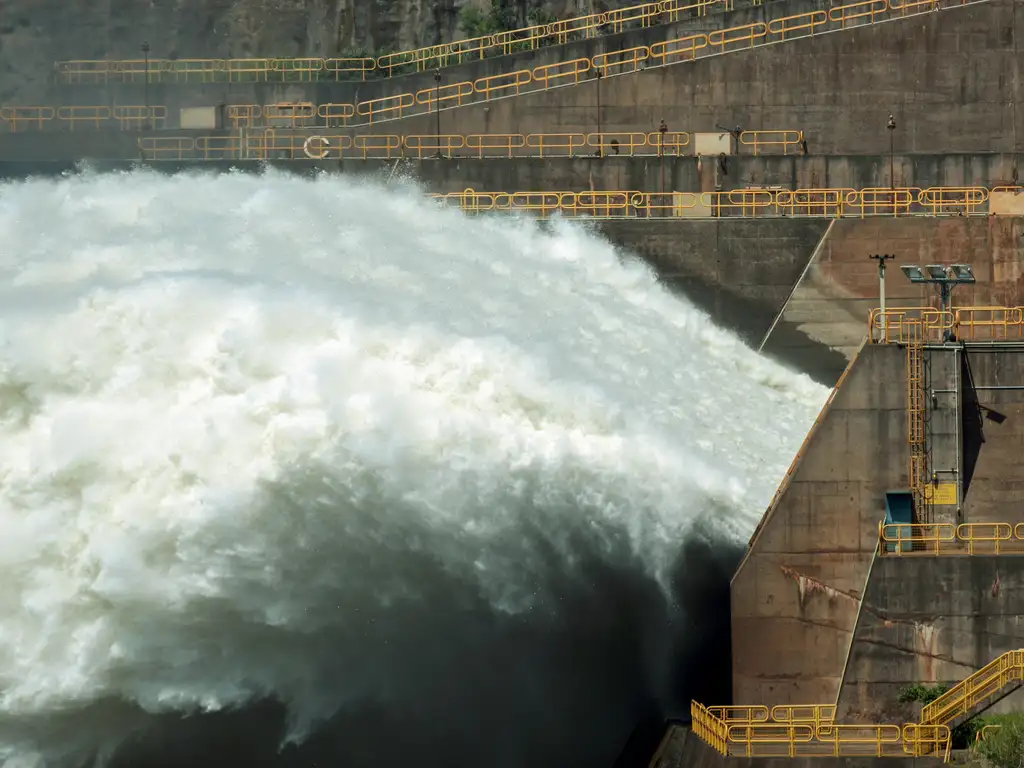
917 422
799 730
810 730
977 692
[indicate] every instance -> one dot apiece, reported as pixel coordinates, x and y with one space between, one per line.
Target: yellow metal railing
471 145
624 61
973 693
751 202
898 325
950 539
810 730
678 50
127 117
135 117
784 140
416 60
986 731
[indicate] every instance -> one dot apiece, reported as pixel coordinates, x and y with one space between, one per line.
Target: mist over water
308 470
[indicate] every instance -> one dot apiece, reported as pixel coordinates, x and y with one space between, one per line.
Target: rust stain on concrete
807 586
927 635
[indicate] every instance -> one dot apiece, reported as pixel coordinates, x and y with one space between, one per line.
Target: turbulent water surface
300 470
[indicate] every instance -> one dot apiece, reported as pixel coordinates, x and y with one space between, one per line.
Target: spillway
304 468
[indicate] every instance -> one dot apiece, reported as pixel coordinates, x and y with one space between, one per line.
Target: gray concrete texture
796 595
952 80
996 492
816 614
831 304
926 621
653 174
376 86
584 171
35 33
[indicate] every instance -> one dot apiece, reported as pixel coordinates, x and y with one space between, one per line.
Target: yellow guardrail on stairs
808 730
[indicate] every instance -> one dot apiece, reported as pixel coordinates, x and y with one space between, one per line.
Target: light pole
662 130
891 127
945 278
145 87
882 258
437 108
600 138
145 55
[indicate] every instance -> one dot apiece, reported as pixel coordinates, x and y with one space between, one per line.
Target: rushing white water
244 418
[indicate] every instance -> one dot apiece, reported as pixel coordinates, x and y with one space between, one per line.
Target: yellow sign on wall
941 493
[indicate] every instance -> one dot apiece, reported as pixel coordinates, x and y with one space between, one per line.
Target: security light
963 273
944 278
914 274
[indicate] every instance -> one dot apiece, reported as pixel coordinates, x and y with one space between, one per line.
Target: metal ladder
917 422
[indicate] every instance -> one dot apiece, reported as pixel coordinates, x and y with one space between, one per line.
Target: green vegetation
480 23
499 18
922 694
1002 747
1003 744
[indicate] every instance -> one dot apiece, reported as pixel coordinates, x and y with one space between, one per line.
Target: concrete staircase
973 695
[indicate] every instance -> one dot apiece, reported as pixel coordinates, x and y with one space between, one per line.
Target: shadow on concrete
750 320
973 423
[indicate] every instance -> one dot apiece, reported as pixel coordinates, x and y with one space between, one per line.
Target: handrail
625 61
931 539
478 145
989 682
421 59
794 730
682 49
810 731
750 202
896 325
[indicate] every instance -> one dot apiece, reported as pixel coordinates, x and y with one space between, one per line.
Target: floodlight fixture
963 273
944 278
914 274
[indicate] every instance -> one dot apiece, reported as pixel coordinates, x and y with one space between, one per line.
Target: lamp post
437 108
891 127
662 130
145 54
600 138
882 258
945 279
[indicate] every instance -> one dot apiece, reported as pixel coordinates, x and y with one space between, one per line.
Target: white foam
223 399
